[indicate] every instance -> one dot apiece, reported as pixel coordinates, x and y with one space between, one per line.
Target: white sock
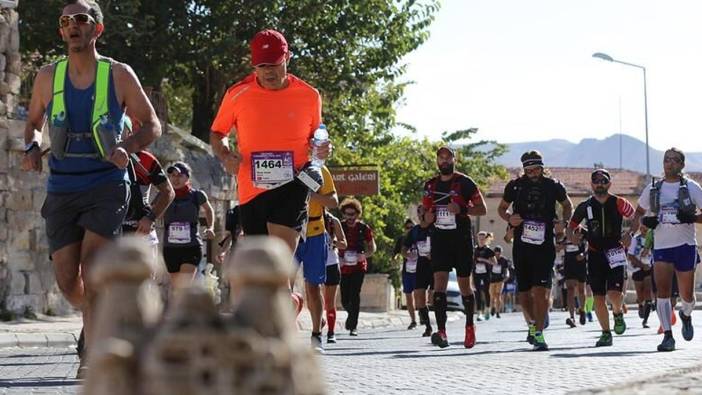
664 310
687 307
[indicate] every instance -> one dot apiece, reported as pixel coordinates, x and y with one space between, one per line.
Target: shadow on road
38 382
605 354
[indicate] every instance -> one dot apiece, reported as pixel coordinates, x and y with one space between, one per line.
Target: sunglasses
600 181
350 213
79 19
673 159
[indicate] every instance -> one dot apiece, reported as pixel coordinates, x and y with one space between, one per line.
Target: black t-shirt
535 201
415 240
573 250
482 261
460 189
503 264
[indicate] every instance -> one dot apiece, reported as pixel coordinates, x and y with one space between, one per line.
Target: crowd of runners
101 123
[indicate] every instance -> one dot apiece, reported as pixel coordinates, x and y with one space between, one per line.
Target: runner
182 243
408 272
419 239
533 198
604 214
354 260
232 231
312 253
671 209
510 289
336 240
450 198
483 260
498 274
640 263
269 102
576 275
84 97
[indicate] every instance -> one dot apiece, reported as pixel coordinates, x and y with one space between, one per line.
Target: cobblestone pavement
396 360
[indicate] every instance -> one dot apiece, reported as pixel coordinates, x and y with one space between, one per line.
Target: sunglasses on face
79 19
673 159
600 181
349 213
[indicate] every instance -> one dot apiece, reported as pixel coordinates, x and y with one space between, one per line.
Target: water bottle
321 136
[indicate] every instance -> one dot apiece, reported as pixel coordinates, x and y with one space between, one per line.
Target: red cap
268 47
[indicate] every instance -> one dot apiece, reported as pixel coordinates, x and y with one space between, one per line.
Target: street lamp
600 55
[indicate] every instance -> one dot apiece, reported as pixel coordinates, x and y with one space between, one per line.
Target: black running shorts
452 249
601 277
285 205
177 256
641 274
333 275
575 270
100 210
533 264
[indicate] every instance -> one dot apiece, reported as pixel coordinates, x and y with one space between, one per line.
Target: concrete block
60 340
31 340
8 340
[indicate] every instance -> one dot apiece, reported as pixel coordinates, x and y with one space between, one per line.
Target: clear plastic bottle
321 135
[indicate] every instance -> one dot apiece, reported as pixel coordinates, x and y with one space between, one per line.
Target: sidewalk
47 331
681 381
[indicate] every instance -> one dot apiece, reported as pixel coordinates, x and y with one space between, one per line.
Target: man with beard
606 264
449 199
671 209
86 98
533 198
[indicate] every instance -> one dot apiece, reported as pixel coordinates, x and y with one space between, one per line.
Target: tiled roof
577 181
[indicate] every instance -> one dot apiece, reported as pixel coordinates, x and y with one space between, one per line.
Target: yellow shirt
315 224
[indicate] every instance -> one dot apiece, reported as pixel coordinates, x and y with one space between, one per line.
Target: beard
446 169
601 191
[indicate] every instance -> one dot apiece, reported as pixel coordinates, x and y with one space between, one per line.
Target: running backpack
684 200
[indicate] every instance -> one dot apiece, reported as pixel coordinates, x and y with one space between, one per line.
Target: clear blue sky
522 70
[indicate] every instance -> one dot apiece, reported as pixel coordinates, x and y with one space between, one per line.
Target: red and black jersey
358 236
604 220
460 189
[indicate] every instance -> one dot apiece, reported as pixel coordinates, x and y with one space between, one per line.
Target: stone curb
389 320
38 339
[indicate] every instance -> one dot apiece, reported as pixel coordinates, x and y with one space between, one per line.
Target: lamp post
600 55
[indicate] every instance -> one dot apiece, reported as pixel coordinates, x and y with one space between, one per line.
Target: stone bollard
270 359
127 305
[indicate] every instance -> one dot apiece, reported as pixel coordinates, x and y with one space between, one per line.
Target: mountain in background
562 153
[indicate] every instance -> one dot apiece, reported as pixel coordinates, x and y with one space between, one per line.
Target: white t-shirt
669 235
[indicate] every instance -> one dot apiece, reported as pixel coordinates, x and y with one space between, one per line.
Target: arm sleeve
625 208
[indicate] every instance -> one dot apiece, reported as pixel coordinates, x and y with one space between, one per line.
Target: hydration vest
103 137
455 190
684 201
604 223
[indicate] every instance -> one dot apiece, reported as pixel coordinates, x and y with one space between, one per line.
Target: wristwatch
151 215
30 146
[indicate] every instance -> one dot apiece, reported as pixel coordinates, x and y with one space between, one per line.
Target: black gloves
686 217
650 222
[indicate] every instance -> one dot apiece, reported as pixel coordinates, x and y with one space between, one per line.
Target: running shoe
605 340
497 315
492 311
478 318
645 324
668 343
316 342
439 339
530 334
469 340
427 332
412 325
487 316
539 342
619 324
570 322
582 318
353 332
421 320
687 330
589 316
331 339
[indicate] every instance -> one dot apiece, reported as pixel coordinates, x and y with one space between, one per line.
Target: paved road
392 361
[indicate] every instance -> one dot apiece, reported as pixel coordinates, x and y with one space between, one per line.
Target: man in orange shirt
273 115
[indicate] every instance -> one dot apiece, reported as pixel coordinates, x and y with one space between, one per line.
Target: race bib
669 215
616 257
271 169
411 266
572 248
350 258
179 233
496 269
424 247
480 268
533 232
444 218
